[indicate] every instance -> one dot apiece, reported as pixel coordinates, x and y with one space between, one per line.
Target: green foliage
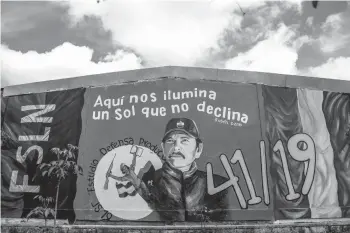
43 211
64 165
56 171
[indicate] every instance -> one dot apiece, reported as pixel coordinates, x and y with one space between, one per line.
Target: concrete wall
260 147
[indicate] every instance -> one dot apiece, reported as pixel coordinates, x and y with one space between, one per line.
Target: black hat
185 125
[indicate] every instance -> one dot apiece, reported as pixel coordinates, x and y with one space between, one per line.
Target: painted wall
178 150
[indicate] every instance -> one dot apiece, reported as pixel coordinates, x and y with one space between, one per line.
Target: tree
58 170
44 210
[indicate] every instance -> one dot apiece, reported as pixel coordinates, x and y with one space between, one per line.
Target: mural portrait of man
178 191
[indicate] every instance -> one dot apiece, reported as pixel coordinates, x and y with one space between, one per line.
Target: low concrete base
290 226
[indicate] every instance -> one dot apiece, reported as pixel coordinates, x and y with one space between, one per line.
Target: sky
46 40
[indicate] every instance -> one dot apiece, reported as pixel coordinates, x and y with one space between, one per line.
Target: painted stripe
123 195
126 190
323 196
121 185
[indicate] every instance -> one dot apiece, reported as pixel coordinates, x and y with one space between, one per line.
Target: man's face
181 150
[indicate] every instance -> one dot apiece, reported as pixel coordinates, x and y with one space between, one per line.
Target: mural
172 150
287 173
324 117
175 150
177 190
336 108
33 124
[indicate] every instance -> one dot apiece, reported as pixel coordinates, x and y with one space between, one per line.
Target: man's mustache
176 154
